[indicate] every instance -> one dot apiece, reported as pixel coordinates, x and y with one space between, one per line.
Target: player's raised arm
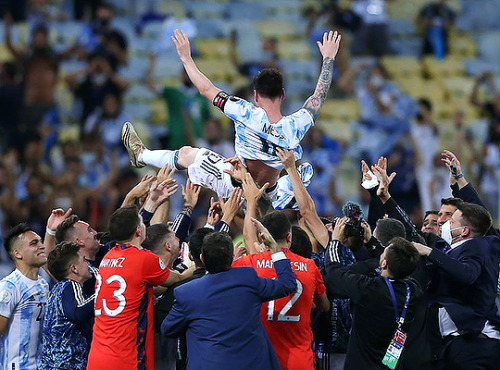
202 83
328 49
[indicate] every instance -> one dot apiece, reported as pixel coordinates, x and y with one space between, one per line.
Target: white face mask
446 232
377 81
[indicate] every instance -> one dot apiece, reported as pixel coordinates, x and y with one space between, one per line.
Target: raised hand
190 193
232 205
214 212
453 164
181 42
142 188
287 158
330 45
165 173
380 170
252 192
161 192
56 217
238 251
238 172
267 239
338 230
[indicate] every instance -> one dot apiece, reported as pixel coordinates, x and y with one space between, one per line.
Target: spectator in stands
465 289
85 8
99 35
382 297
67 325
11 103
215 138
92 84
435 20
385 110
491 109
23 298
324 155
425 135
106 122
187 108
40 72
372 37
209 310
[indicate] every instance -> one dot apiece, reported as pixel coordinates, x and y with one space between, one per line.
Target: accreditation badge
394 350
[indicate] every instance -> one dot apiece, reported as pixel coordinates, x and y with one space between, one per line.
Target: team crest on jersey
162 265
5 296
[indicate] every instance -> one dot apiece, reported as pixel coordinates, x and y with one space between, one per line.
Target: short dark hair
389 228
301 244
64 228
123 222
278 225
269 83
195 242
476 217
431 212
426 103
61 258
451 201
402 258
264 205
217 251
13 234
156 236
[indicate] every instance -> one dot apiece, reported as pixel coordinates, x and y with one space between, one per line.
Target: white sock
158 158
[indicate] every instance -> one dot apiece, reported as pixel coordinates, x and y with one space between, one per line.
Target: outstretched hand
56 217
190 193
330 45
238 171
267 238
453 164
252 192
181 42
287 158
380 170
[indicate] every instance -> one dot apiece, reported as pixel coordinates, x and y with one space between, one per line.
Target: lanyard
399 319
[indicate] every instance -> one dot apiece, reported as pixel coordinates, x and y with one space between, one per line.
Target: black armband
220 100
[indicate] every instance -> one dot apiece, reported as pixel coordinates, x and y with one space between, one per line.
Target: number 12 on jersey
282 315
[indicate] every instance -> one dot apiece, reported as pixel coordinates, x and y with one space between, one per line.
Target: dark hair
301 244
451 202
278 225
156 236
389 228
431 212
64 228
123 222
402 258
13 234
476 217
40 28
426 103
61 258
217 251
264 205
9 69
269 83
195 242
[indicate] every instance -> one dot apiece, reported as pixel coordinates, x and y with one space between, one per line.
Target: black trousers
469 353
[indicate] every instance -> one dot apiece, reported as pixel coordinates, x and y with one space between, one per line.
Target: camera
354 213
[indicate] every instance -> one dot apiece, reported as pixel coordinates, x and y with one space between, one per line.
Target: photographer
396 300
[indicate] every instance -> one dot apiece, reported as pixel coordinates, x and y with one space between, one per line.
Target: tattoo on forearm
314 103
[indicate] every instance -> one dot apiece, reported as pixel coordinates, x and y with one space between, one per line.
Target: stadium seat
340 109
448 67
138 93
462 45
217 69
488 46
295 49
458 87
401 27
281 30
477 66
401 66
213 48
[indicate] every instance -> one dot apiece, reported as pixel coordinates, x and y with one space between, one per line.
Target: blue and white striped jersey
257 138
22 301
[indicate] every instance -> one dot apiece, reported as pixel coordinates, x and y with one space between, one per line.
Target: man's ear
201 258
283 94
17 254
383 265
466 232
289 238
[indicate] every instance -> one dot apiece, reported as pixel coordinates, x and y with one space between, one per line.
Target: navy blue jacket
465 282
220 314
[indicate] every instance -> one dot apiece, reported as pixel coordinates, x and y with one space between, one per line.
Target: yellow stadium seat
213 48
411 86
401 66
448 67
345 110
462 45
217 70
336 129
297 50
280 30
459 87
158 112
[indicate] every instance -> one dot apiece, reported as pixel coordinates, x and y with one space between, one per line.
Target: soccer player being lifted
260 128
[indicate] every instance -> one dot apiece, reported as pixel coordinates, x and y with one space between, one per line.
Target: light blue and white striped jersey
257 138
22 301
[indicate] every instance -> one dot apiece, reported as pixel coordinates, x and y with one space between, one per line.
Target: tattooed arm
328 49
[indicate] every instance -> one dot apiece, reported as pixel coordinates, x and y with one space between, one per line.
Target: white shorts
207 170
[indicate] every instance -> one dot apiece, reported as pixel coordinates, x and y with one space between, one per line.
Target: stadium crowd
240 256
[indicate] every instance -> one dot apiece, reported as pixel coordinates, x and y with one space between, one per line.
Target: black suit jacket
465 282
